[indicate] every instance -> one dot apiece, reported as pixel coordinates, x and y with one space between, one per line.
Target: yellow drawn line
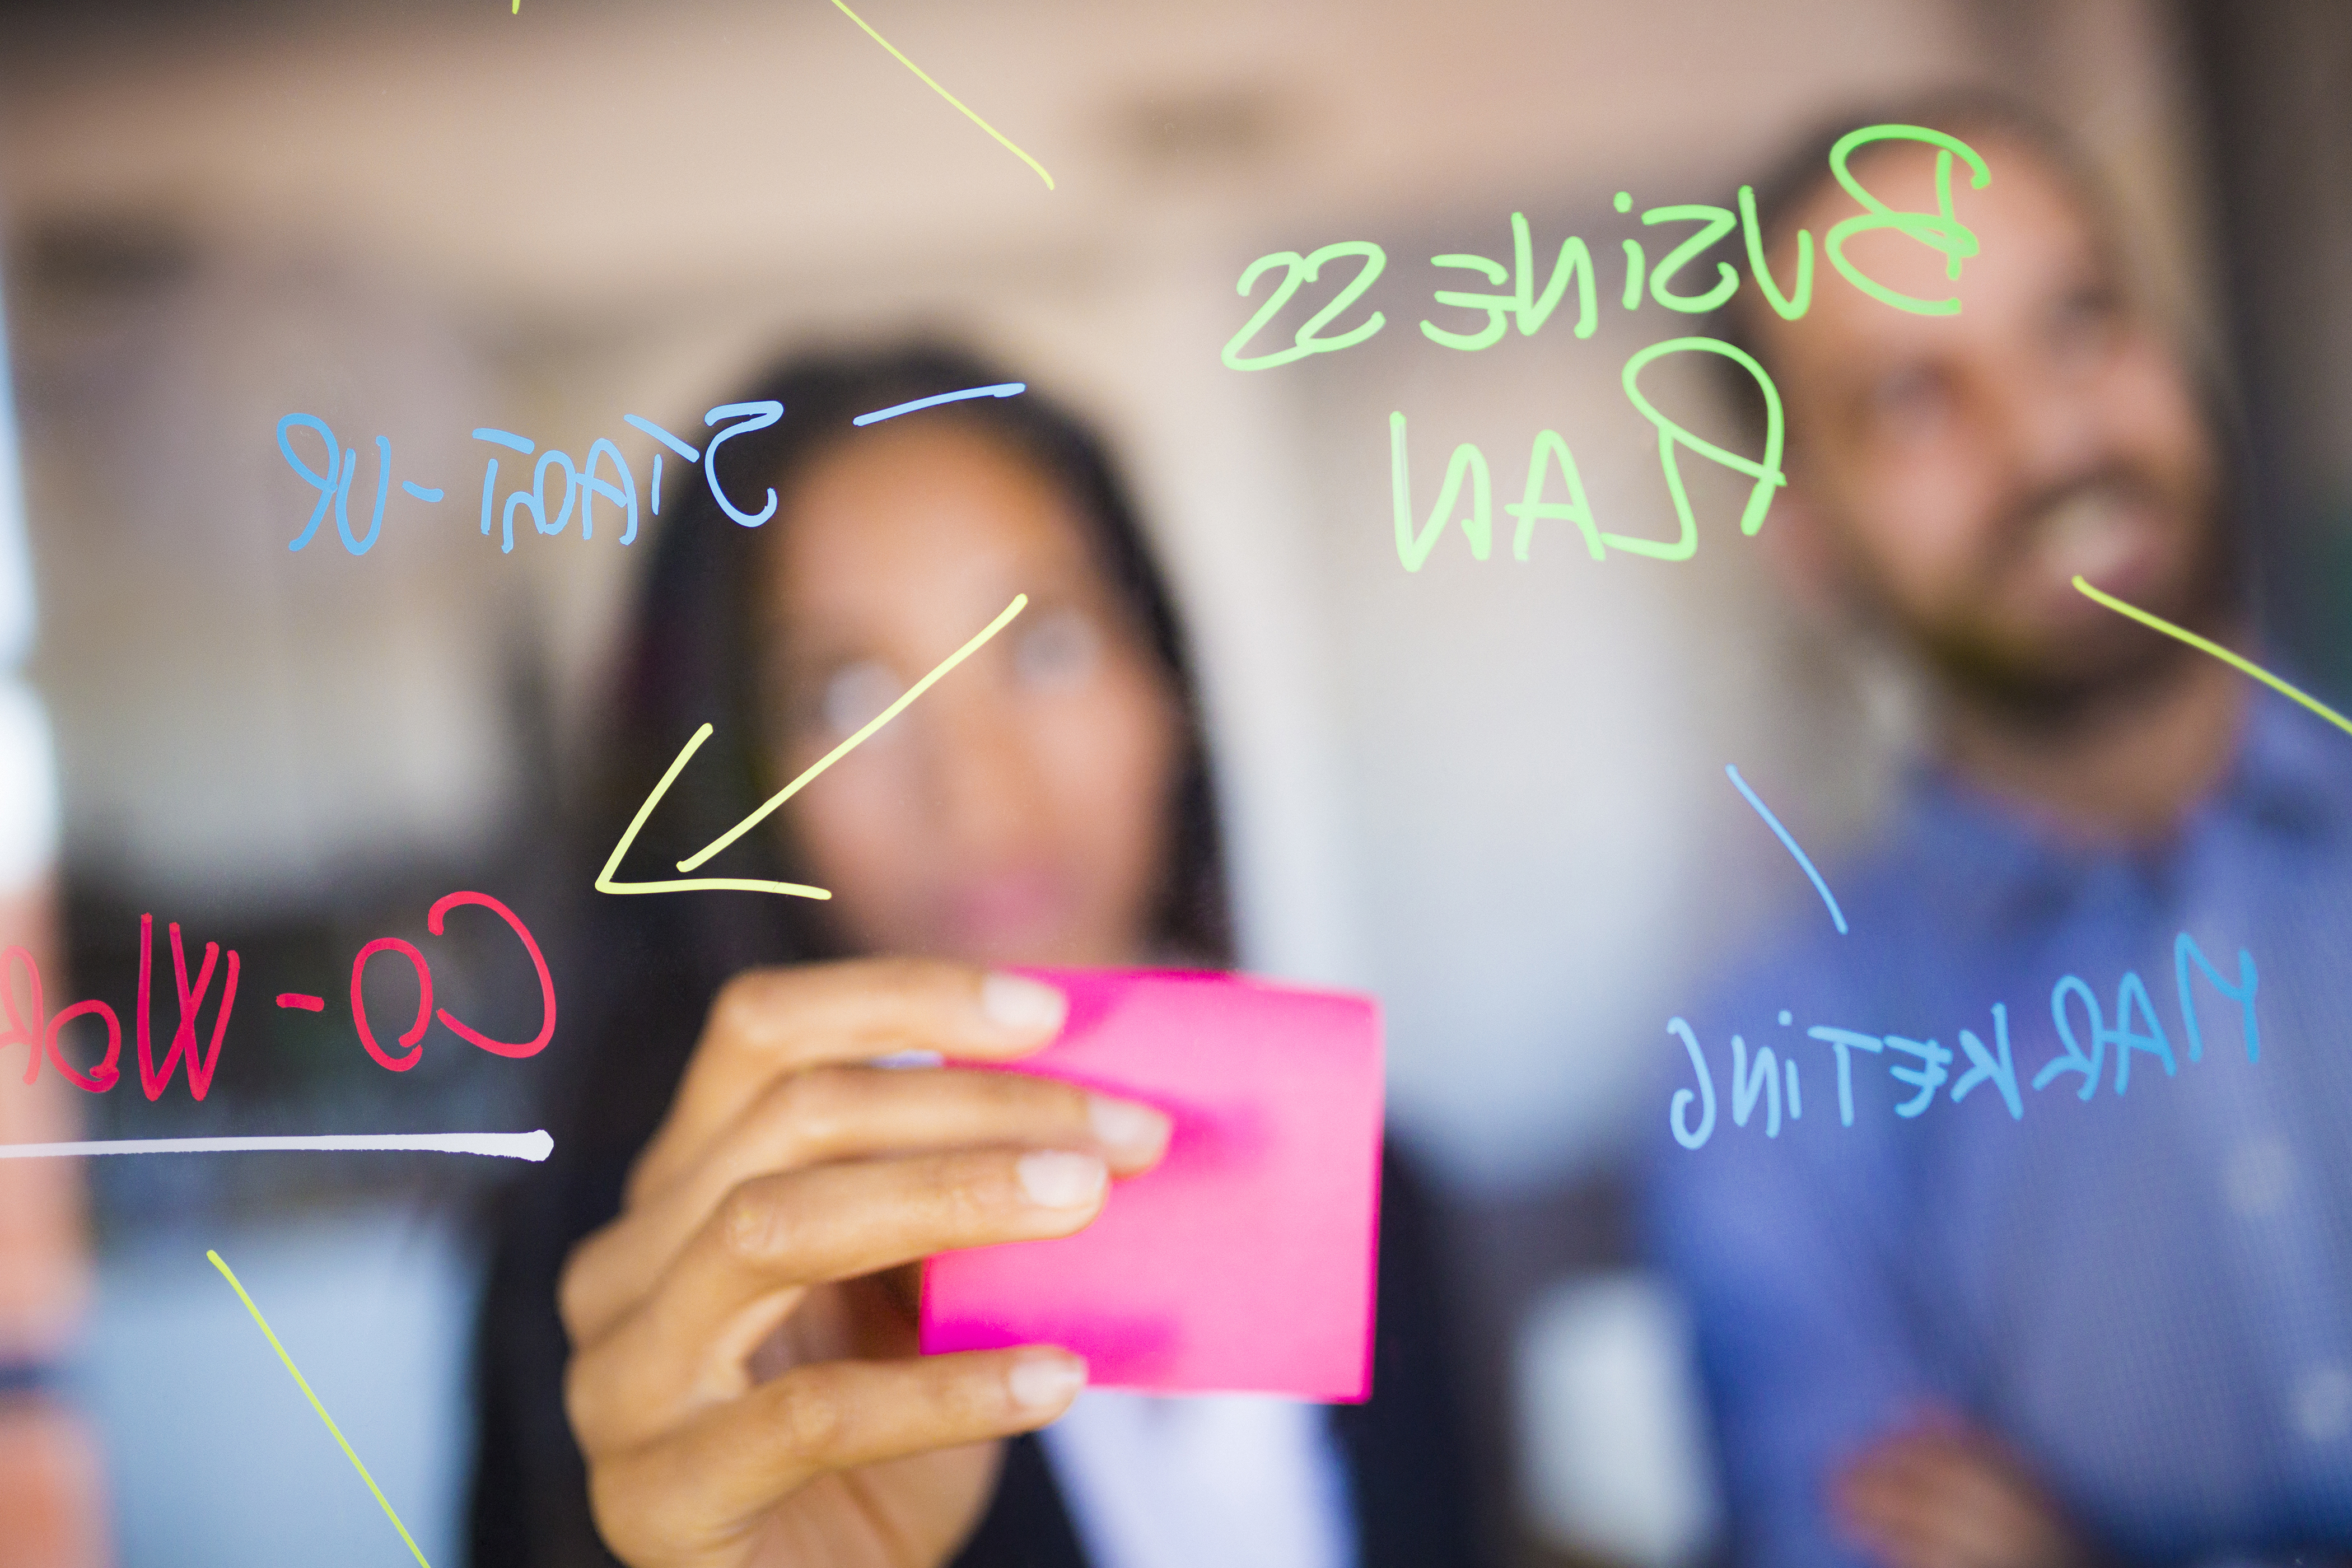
1020 602
305 1385
943 92
605 882
2218 651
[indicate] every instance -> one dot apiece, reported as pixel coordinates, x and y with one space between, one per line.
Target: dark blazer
1406 1475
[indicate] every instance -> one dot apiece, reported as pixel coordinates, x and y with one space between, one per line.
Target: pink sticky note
1245 1260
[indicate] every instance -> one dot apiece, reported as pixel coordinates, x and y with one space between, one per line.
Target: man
2074 1286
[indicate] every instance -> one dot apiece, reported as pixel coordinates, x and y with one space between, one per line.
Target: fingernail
1058 1181
1043 1382
1020 1005
1127 1127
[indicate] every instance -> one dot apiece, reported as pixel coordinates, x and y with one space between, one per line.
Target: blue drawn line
691 454
419 491
504 438
1007 389
1774 823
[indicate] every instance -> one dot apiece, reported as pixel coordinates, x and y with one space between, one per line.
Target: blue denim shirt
2140 1275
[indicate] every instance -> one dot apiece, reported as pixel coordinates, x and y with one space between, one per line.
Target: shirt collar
2291 769
2286 776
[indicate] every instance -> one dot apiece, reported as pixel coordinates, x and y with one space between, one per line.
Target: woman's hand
744 1378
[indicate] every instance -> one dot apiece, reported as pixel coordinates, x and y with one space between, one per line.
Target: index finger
768 1023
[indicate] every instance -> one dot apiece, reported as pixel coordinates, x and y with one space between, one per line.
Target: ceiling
581 156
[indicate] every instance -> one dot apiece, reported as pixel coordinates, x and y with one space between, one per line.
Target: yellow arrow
605 882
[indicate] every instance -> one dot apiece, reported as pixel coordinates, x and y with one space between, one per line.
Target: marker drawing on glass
1789 842
2217 650
1520 294
534 1146
604 879
304 1383
583 478
943 92
1527 306
1924 1065
1003 389
43 1035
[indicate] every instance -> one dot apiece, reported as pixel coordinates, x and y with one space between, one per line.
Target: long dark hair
644 969
648 966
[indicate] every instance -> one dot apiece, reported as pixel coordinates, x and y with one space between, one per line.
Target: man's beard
2050 682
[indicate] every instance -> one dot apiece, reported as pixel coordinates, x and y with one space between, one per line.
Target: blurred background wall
1492 792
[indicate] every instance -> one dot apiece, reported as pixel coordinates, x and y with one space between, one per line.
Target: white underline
535 1145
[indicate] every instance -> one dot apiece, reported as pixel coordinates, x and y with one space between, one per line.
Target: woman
742 1378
